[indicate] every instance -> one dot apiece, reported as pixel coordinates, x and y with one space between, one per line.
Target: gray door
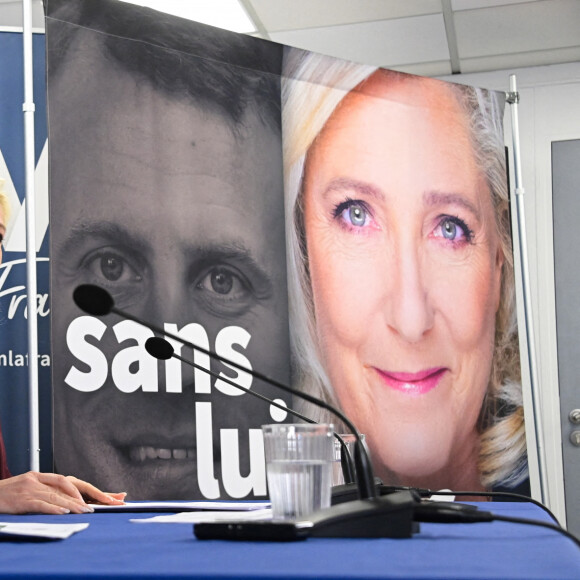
566 215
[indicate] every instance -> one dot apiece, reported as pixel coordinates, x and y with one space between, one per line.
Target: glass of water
299 461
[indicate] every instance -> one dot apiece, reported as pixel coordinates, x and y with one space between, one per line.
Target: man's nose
168 306
167 299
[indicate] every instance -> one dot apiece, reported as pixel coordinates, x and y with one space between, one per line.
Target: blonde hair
4 203
313 87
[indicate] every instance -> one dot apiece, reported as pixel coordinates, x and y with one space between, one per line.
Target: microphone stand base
389 516
350 491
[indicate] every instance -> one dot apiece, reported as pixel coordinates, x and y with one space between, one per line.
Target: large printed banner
329 224
167 190
13 284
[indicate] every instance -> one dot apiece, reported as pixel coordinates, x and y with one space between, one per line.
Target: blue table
112 547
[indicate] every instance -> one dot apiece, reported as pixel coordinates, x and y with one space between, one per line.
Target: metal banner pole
29 161
513 99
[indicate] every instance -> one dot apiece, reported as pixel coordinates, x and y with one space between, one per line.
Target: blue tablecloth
113 547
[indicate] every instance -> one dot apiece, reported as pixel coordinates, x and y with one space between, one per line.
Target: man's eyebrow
233 253
106 230
362 187
450 198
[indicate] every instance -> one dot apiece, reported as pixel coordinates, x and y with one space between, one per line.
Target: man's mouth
142 453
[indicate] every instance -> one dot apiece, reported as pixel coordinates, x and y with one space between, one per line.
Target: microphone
160 349
371 516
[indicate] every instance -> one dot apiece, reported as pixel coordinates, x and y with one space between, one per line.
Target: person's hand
50 493
91 494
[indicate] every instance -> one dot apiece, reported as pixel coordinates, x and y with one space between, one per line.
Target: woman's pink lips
413 383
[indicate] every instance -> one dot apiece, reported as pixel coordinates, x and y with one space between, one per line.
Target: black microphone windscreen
159 348
93 299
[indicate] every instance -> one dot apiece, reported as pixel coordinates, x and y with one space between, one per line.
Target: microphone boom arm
98 302
345 453
366 487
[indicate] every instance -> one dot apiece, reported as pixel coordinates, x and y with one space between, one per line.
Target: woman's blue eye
354 213
454 230
357 215
449 229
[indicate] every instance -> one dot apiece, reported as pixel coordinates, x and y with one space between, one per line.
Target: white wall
548 110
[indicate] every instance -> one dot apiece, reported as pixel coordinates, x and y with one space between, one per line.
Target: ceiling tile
541 25
284 15
409 36
471 4
426 69
385 43
520 60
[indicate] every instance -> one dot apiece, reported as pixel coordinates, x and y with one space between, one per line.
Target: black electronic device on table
389 516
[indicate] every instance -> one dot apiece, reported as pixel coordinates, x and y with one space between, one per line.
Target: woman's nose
410 312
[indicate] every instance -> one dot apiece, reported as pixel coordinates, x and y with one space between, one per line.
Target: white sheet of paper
36 530
184 506
436 497
207 516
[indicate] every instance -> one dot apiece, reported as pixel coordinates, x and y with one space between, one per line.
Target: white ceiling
427 37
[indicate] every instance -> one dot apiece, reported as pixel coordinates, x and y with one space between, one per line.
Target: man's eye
112 268
225 291
223 281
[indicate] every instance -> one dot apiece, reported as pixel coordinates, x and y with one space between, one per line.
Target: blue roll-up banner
13 310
